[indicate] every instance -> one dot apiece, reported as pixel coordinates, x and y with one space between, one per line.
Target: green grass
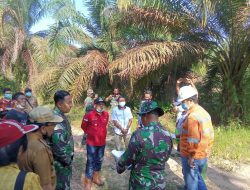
232 143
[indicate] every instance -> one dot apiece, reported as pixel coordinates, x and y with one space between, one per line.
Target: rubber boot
87 183
97 179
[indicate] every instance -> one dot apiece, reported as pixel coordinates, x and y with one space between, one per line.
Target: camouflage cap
150 106
43 114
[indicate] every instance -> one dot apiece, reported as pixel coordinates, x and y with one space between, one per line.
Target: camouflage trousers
63 176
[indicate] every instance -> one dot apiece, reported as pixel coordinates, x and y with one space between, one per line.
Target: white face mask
20 106
122 104
99 110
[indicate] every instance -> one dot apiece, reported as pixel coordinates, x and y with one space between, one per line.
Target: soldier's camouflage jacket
148 150
62 141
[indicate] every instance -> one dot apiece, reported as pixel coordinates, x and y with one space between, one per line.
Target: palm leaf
46 83
64 33
140 61
93 64
153 19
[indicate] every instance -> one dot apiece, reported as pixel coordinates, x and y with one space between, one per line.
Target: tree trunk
232 100
19 41
27 57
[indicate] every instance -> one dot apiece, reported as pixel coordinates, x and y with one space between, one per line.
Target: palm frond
152 19
124 4
92 65
140 61
46 83
64 33
9 13
205 7
75 76
95 8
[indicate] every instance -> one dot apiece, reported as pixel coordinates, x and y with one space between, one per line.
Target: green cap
43 114
150 106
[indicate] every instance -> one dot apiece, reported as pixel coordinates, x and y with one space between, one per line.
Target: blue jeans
192 176
95 156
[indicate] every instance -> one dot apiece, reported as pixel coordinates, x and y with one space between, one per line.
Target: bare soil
216 178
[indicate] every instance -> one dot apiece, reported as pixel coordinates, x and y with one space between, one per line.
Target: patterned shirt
62 141
5 103
148 150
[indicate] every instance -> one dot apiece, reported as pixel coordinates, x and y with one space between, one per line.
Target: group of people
36 145
38 152
17 105
147 150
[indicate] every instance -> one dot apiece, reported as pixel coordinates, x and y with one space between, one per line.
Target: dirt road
217 179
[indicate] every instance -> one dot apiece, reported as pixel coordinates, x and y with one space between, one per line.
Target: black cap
99 100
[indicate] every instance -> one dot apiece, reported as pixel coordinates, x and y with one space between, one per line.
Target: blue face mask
8 96
28 94
184 106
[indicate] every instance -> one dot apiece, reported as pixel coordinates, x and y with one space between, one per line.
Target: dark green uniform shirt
148 150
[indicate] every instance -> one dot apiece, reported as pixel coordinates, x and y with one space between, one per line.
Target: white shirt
122 116
180 110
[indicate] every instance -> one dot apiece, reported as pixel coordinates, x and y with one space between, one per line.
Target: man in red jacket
94 125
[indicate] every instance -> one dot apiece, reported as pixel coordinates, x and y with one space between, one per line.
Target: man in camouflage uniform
148 151
89 101
62 141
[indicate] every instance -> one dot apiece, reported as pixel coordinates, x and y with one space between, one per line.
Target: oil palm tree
221 28
17 19
230 54
82 68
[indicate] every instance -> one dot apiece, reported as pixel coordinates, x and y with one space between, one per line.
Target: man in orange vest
196 139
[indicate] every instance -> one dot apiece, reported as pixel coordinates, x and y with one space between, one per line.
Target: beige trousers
121 141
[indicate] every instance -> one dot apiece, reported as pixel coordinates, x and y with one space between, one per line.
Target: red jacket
94 126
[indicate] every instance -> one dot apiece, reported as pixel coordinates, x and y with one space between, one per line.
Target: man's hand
191 162
189 81
108 98
1 109
124 131
120 168
179 80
